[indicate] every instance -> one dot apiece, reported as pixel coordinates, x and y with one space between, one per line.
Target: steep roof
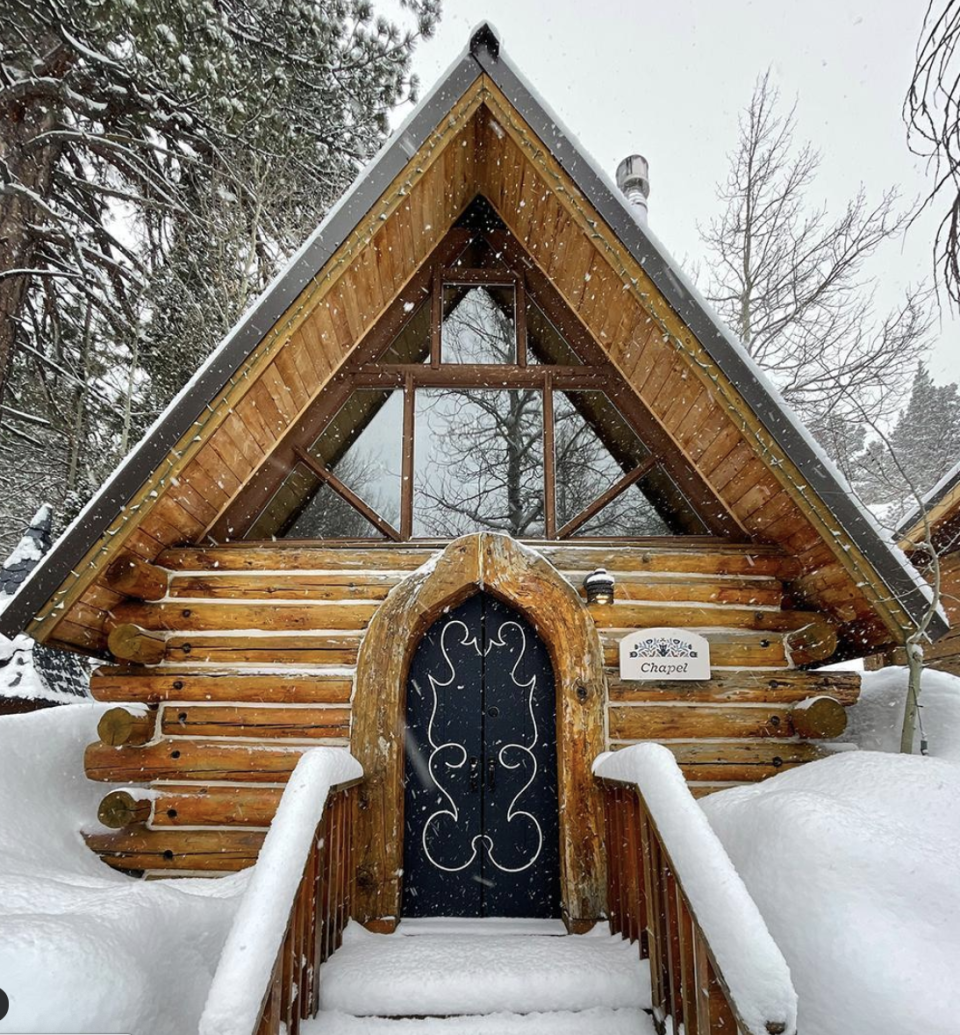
483 130
939 504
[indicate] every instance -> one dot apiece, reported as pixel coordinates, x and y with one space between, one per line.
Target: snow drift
854 862
874 722
84 948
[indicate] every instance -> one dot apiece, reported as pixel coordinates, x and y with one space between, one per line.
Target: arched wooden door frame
527 582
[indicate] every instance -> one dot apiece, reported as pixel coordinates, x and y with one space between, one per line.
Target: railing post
650 898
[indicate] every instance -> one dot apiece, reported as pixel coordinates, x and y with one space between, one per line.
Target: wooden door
481 822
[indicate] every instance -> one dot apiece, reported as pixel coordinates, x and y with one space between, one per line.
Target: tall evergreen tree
157 160
925 441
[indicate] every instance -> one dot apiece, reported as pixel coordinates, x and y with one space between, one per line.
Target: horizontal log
278 616
188 806
743 649
704 721
784 686
118 726
819 717
695 589
205 760
120 684
129 642
285 586
142 849
120 809
306 649
297 557
231 721
632 615
747 761
712 560
131 576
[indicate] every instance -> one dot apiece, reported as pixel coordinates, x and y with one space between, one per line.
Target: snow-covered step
443 974
584 1022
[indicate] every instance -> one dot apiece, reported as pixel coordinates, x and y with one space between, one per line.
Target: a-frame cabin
481 379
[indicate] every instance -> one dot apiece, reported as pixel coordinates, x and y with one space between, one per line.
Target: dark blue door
481 821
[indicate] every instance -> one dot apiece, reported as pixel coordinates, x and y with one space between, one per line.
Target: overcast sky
667 80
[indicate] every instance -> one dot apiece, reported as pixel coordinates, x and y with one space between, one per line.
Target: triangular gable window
478 413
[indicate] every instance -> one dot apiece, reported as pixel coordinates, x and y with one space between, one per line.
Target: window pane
478 462
412 344
478 326
329 516
594 448
654 506
363 446
630 514
304 508
545 344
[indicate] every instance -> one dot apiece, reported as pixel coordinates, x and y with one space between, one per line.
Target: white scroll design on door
452 811
461 754
525 750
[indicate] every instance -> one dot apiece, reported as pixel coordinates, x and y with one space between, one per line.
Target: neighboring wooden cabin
939 518
482 345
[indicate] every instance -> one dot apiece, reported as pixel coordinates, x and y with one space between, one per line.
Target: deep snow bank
854 862
874 721
82 948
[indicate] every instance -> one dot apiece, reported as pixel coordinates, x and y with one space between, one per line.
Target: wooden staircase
291 964
484 977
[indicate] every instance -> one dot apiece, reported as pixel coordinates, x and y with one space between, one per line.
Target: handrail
295 907
714 966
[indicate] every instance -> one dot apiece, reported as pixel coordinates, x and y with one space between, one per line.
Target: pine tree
158 159
925 441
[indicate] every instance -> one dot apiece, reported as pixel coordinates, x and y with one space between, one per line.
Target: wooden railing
714 967
292 915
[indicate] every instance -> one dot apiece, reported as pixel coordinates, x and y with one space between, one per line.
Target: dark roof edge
939 492
890 564
187 406
484 54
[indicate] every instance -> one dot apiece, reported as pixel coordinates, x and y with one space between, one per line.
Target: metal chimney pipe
633 179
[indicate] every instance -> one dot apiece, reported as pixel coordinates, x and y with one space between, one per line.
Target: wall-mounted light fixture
599 585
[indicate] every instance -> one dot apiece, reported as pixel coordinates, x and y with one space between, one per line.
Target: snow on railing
295 907
673 887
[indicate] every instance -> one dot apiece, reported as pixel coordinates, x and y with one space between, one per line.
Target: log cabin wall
256 648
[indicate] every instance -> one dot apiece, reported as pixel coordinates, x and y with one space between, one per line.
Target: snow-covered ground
82 947
874 722
854 862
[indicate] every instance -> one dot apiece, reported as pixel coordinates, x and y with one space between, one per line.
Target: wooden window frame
365 370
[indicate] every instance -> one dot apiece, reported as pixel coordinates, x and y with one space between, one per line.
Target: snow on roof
939 492
483 56
30 671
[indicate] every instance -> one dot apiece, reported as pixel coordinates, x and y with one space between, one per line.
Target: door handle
491 774
474 775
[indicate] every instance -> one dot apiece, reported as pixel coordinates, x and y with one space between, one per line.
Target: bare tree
932 114
790 281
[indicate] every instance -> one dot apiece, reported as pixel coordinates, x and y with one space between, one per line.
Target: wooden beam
345 492
621 485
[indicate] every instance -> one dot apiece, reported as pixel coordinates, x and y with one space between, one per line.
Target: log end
819 718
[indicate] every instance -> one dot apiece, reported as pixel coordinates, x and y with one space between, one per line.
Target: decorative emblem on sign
664 654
